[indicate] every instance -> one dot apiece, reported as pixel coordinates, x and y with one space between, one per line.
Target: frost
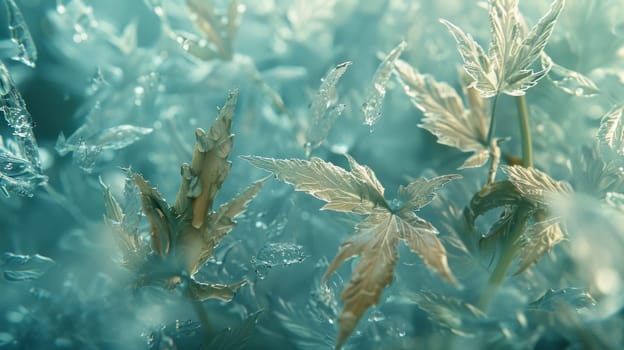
17 116
88 141
20 165
18 268
611 132
277 254
553 299
571 82
324 110
20 35
376 93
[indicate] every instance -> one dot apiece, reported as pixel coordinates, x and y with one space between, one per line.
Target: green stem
497 277
525 130
492 121
203 319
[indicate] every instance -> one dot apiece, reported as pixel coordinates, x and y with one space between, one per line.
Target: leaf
611 131
538 239
569 81
343 191
445 115
210 166
376 238
324 110
508 65
17 268
185 235
374 97
534 185
421 192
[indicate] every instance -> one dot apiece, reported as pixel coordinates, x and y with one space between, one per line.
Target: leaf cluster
184 235
376 237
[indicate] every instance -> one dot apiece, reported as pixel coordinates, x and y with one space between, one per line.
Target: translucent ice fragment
323 109
88 141
374 98
20 35
277 254
553 299
120 136
24 267
611 131
18 175
571 82
17 116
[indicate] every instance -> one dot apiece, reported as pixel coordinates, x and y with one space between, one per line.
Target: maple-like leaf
445 114
376 238
507 67
183 236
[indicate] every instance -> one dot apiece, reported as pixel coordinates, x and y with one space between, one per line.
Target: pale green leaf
343 191
476 62
539 239
611 131
375 240
445 115
508 66
421 192
535 185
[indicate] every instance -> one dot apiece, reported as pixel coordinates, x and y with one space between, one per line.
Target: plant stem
525 129
492 121
203 319
497 277
510 250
